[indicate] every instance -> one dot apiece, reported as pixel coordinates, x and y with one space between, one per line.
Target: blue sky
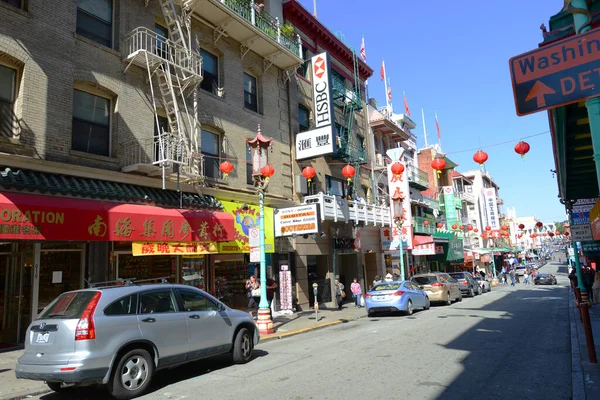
452 57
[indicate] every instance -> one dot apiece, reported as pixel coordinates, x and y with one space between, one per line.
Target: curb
307 329
28 395
577 385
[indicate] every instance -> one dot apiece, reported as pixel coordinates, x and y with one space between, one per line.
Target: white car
484 284
521 270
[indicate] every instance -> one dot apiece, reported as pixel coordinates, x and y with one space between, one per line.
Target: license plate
42 338
380 297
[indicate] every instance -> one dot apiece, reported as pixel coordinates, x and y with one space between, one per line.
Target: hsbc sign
321 140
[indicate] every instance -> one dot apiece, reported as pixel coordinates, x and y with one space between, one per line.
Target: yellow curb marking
310 328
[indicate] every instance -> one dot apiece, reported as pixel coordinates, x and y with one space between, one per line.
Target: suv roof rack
127 282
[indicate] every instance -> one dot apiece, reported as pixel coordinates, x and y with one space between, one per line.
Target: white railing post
300 52
252 13
335 208
278 30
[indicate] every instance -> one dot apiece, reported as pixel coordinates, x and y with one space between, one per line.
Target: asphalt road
512 343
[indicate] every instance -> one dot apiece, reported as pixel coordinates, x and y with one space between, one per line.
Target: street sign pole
583 24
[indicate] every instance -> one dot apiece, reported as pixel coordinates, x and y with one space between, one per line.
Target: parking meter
315 291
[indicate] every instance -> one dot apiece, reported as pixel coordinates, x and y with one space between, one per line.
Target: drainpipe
582 19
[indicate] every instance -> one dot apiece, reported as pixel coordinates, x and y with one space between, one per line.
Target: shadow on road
522 351
162 378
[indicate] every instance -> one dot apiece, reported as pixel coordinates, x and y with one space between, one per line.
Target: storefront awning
422 239
37 217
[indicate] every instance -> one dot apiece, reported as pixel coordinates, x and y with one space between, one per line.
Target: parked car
485 285
545 279
520 270
440 287
395 296
467 284
120 336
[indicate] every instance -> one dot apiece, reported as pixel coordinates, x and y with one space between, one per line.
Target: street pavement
510 343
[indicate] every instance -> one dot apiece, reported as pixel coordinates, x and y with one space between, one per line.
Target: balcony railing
341 210
349 151
420 227
417 177
343 92
143 41
468 197
266 23
431 203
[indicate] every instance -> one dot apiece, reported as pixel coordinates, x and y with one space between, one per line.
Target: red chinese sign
32 217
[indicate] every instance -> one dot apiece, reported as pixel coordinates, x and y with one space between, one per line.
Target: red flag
363 52
437 126
389 93
382 71
406 109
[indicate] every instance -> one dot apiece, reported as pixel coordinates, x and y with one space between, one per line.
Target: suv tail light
464 283
85 329
398 293
437 284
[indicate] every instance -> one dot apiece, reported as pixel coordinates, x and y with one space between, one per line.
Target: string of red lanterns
348 171
480 157
309 173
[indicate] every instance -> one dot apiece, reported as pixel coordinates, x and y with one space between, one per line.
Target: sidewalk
285 325
586 376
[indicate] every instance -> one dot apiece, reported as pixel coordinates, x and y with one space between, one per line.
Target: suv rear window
68 305
425 280
459 275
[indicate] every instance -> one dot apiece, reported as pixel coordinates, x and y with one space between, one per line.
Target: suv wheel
242 347
132 376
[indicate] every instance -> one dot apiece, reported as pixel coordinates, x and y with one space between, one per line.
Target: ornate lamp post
398 198
261 172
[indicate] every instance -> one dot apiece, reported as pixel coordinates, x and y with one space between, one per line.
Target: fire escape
174 70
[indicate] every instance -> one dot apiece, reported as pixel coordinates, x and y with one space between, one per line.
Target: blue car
395 296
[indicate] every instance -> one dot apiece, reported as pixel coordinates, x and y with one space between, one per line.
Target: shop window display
153 267
194 272
230 282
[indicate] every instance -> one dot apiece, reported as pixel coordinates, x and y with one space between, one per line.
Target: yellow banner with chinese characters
243 221
172 248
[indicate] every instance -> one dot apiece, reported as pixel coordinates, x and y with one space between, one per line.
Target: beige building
127 102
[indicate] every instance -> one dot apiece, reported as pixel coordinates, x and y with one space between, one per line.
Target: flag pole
388 96
437 125
424 128
387 102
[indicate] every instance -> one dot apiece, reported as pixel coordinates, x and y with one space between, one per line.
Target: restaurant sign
299 220
246 218
170 248
34 217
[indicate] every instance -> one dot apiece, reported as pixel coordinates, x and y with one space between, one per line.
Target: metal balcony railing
343 92
420 227
341 210
418 177
266 23
142 39
350 152
468 197
431 203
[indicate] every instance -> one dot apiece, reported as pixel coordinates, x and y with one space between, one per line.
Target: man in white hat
388 277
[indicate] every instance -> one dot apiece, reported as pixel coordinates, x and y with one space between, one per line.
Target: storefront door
15 293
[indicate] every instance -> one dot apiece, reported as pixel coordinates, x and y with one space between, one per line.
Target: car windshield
385 286
68 305
424 280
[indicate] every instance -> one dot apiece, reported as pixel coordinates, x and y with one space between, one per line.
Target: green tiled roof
65 185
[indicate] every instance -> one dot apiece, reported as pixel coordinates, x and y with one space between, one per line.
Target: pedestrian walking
588 282
526 278
253 288
516 274
339 293
512 277
596 288
356 292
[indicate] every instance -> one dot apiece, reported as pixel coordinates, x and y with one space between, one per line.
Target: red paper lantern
438 164
522 148
566 233
462 227
440 225
454 226
504 227
521 226
348 171
226 167
470 227
480 157
539 224
551 234
520 235
488 228
309 173
267 171
475 230
544 234
397 169
426 223
557 233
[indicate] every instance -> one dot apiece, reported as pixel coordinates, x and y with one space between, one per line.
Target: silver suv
120 336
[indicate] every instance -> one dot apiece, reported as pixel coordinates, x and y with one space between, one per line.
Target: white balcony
468 197
341 210
143 43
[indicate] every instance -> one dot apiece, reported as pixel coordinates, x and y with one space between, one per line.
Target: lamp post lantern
398 198
261 172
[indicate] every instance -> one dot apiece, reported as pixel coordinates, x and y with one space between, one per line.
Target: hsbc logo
319 67
490 193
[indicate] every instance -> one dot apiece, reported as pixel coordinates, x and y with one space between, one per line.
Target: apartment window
304 68
94 20
8 85
250 93
249 179
210 71
211 149
338 79
335 186
303 118
15 3
163 126
91 123
161 44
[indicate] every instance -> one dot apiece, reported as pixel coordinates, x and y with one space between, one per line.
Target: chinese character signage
399 182
321 140
285 288
244 221
491 207
450 206
33 217
427 249
172 248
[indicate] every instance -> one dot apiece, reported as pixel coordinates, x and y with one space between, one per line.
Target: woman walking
356 292
339 293
253 288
